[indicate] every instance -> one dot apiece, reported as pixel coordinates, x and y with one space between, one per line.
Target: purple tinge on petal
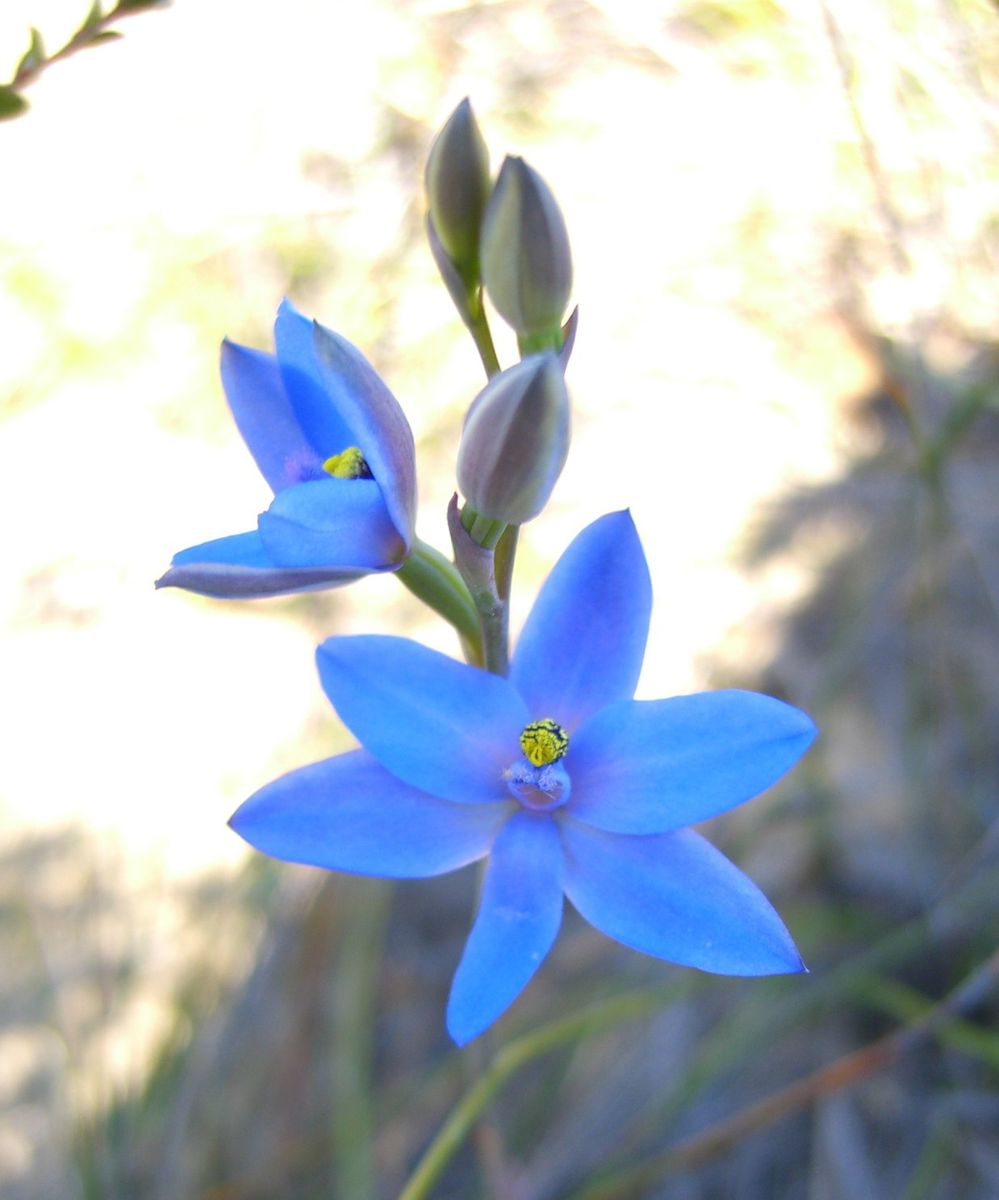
673 895
325 427
264 415
518 920
583 644
349 814
238 568
440 725
377 422
649 766
331 521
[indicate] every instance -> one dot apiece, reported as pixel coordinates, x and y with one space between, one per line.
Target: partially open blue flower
337 450
567 783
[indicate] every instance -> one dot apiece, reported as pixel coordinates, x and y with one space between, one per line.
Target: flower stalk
435 580
476 560
477 324
467 300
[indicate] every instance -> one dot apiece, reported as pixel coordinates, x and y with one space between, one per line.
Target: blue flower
567 783
336 449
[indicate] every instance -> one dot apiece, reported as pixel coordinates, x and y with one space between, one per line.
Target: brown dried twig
849 1069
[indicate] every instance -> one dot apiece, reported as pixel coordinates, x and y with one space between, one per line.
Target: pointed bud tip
458 185
526 258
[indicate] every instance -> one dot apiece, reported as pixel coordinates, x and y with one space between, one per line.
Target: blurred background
784 221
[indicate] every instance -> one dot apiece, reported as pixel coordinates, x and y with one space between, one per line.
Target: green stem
518 1053
435 580
494 606
477 324
485 531
482 548
353 1130
494 618
506 551
537 343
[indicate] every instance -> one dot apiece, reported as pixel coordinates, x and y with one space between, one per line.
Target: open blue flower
337 450
567 783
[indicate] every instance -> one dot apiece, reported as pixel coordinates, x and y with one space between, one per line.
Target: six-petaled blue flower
334 445
567 783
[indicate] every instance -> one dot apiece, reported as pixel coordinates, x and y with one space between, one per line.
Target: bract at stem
477 324
477 564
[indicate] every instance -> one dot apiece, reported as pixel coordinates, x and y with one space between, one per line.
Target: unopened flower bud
515 441
457 190
526 262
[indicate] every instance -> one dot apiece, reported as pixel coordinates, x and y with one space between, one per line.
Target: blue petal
239 568
341 400
583 643
648 766
378 423
265 418
349 814
322 422
673 895
331 521
438 724
518 920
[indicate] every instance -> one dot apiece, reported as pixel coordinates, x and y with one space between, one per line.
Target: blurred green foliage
95 29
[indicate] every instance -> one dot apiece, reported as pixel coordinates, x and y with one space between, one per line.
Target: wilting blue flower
337 450
567 783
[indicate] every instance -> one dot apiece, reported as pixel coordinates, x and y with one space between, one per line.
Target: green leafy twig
96 28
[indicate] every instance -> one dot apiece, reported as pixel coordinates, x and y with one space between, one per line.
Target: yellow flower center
544 742
348 464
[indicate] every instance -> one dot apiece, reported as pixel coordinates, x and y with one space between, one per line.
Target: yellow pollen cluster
544 742
348 464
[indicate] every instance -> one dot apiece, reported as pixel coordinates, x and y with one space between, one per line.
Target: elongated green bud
458 185
526 261
515 441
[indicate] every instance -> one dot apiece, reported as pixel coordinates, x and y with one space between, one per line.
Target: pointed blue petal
239 549
378 423
518 920
239 568
349 814
440 725
264 416
673 895
331 521
648 766
324 425
340 401
583 643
